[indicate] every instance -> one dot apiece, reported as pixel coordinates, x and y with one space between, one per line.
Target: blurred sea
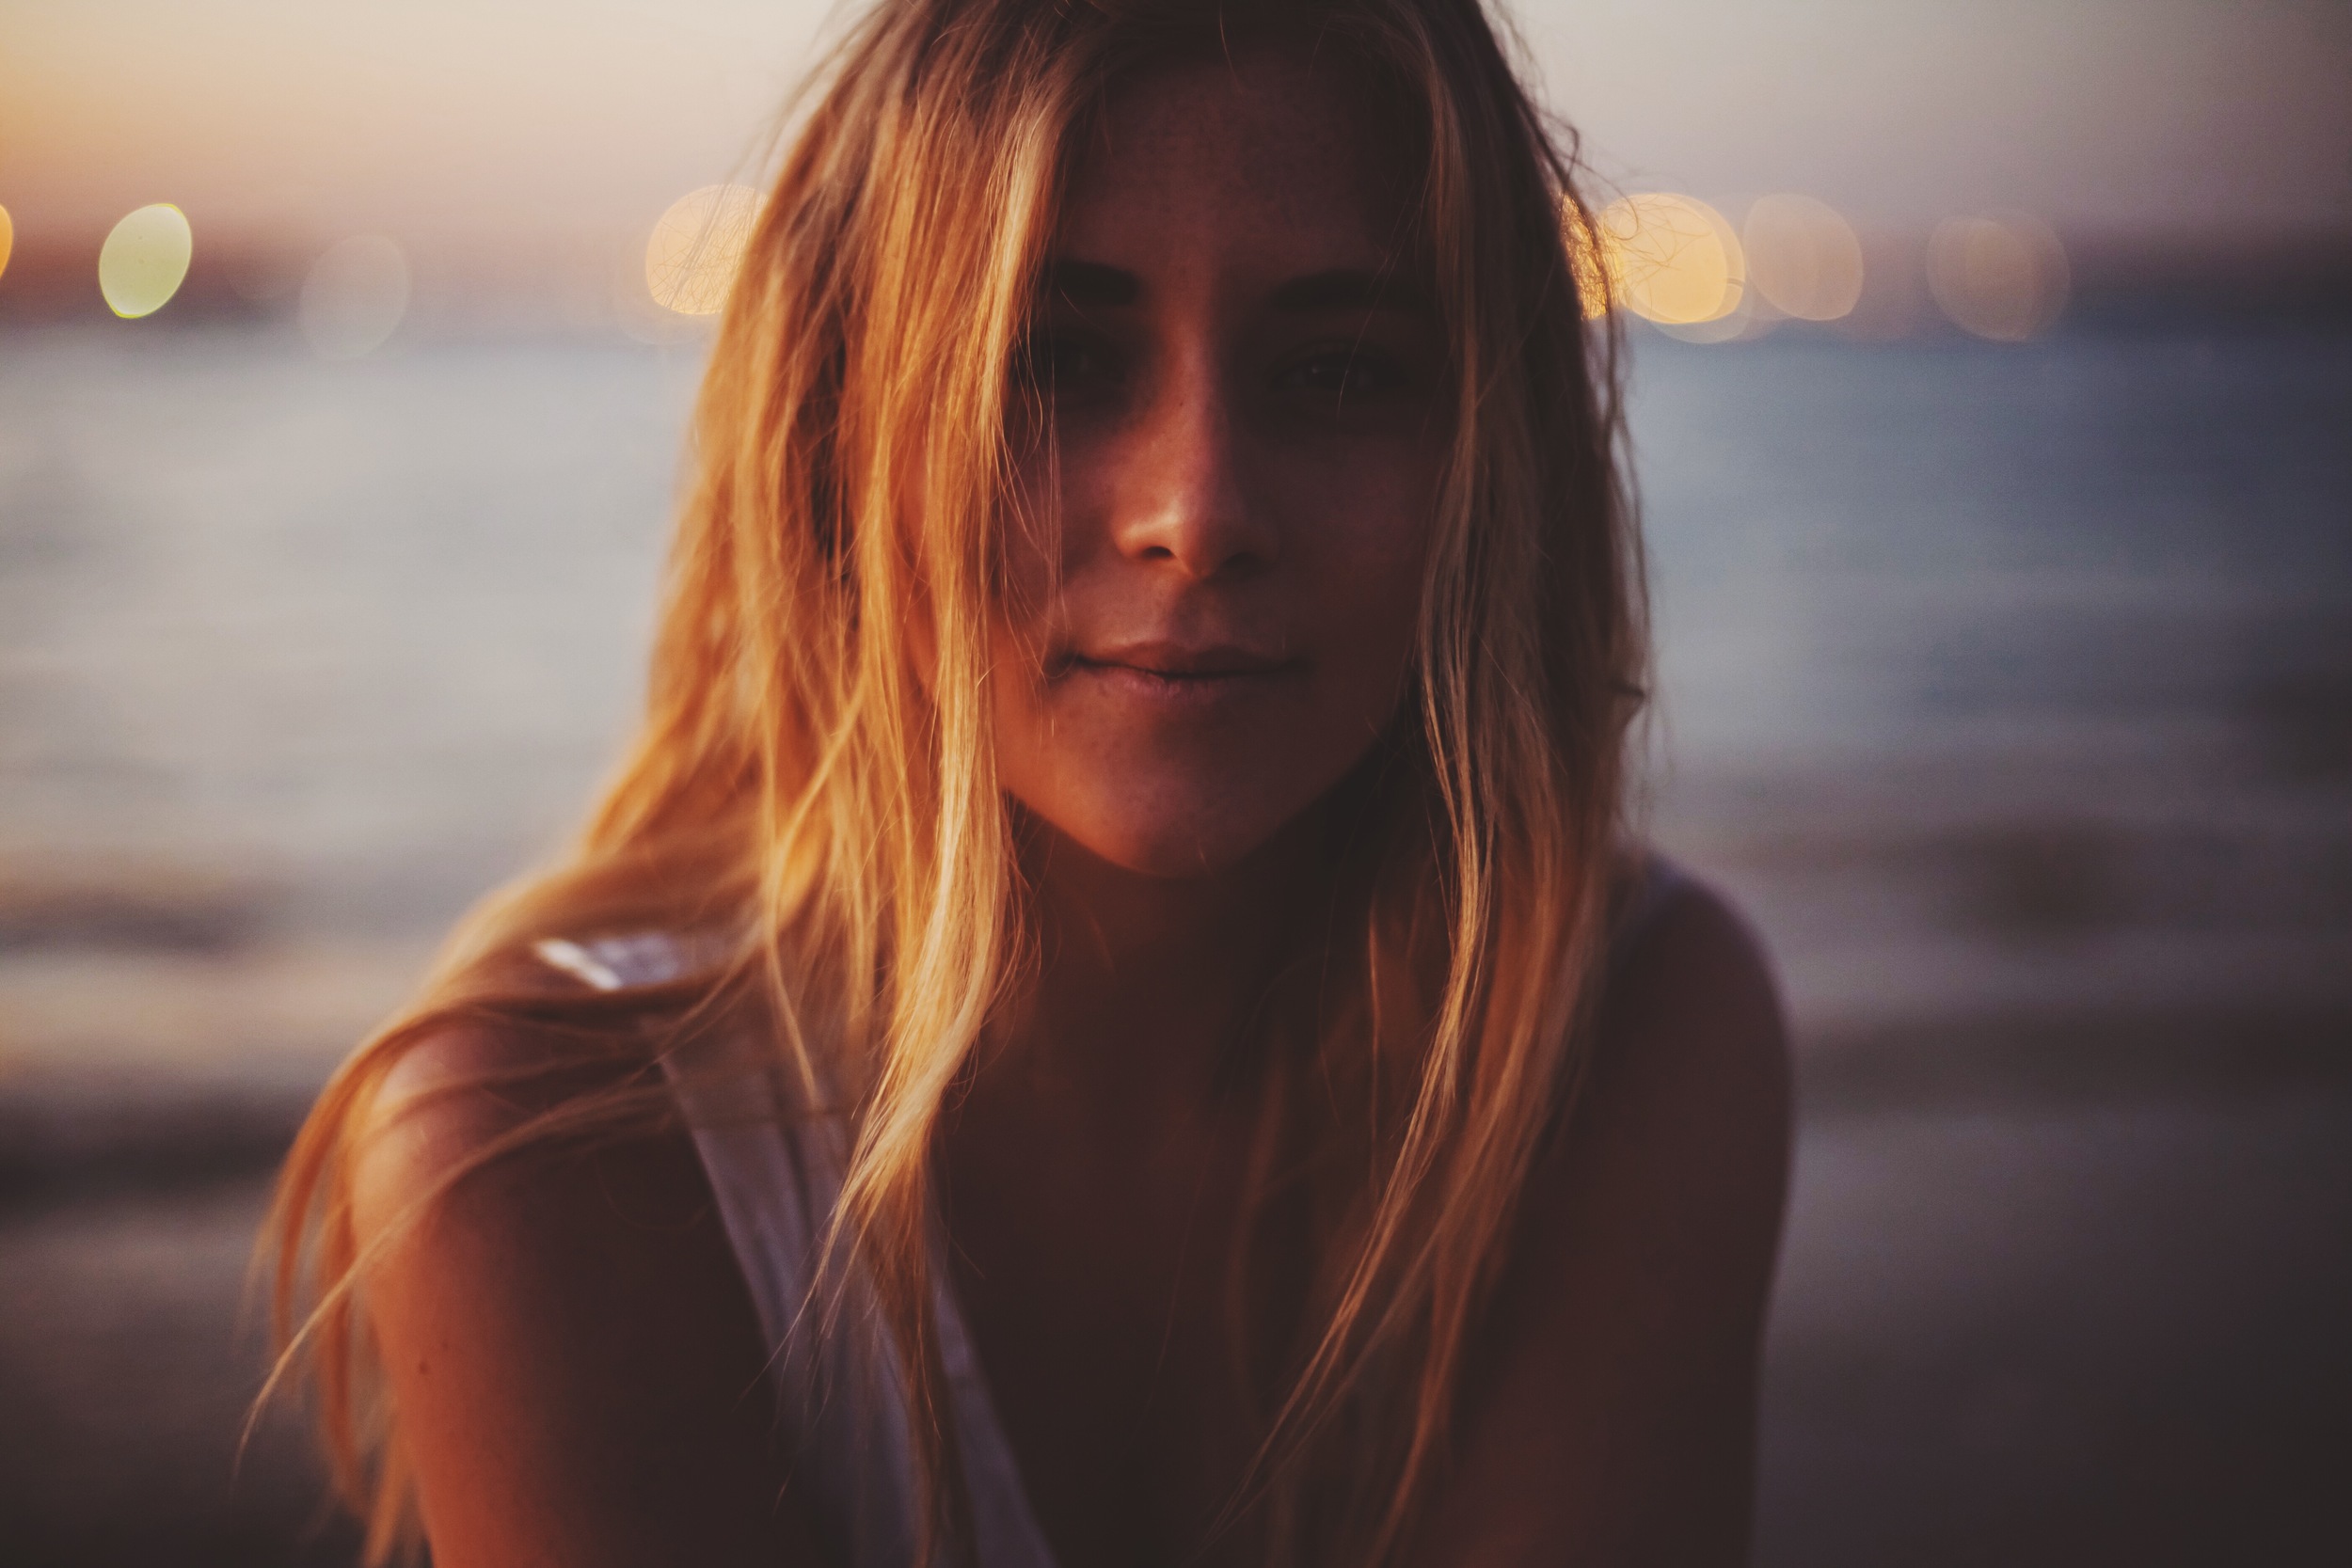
2003 682
2014 685
2008 687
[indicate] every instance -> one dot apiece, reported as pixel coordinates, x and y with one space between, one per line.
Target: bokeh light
353 296
144 260
8 238
1750 319
2002 276
1803 258
1671 258
696 246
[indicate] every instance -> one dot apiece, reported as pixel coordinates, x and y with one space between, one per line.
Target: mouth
1172 670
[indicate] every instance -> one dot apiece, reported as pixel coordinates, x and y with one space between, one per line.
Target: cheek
1039 758
1362 555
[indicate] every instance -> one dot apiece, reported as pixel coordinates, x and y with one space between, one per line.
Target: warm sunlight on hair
815 789
1674 259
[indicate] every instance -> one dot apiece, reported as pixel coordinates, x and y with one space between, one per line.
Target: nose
1180 500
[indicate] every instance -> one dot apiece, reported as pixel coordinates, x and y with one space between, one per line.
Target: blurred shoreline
2007 688
567 285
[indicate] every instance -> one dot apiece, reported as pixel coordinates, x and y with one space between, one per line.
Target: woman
1107 1016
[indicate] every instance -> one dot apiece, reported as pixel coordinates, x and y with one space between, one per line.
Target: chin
1173 855
1172 846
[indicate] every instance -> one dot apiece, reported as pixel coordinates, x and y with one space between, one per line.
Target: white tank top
776 1173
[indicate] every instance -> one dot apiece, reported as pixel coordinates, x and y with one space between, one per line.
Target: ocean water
2005 686
2012 686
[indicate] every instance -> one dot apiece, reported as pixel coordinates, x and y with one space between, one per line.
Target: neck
1145 982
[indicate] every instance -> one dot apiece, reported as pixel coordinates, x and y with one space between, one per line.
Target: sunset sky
476 123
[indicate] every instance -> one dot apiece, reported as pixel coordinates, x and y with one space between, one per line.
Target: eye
1061 363
1343 371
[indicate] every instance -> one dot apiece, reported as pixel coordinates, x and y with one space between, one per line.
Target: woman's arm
1610 1417
573 1356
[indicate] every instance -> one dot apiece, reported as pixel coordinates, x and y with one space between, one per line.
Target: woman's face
1239 421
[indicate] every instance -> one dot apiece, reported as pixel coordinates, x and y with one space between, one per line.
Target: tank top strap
775 1172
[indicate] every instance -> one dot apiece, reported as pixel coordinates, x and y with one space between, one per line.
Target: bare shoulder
1690 1049
571 1351
1609 1415
461 1126
447 1097
1671 1174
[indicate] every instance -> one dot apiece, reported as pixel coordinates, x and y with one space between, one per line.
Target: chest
1132 1294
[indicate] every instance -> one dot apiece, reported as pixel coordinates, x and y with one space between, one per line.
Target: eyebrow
1348 288
1083 283
1337 289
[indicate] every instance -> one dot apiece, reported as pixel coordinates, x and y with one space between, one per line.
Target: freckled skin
1229 473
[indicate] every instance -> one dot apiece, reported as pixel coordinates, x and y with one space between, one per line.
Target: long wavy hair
812 783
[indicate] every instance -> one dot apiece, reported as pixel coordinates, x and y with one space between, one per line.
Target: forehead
1271 156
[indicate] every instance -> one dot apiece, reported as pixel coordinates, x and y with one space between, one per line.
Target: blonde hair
797 785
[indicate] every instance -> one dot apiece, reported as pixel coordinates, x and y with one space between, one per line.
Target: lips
1183 662
1179 678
